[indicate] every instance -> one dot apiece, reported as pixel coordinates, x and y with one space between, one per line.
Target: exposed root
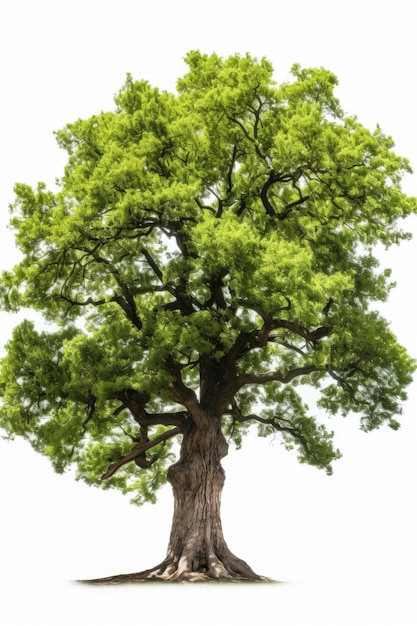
197 551
191 577
178 572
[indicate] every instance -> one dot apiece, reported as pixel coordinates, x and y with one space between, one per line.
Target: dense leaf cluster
207 251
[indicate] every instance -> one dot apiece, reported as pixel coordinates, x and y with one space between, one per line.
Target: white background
345 545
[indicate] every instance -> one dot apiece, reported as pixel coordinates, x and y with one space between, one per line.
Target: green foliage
141 484
224 233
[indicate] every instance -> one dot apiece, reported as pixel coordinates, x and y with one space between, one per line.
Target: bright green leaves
33 218
59 392
136 175
36 404
214 246
230 244
315 86
228 99
285 415
229 90
370 370
141 484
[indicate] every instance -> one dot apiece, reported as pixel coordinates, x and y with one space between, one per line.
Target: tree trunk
197 549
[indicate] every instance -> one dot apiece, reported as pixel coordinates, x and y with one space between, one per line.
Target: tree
207 255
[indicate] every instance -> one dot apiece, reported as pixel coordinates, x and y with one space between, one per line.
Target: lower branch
138 451
287 427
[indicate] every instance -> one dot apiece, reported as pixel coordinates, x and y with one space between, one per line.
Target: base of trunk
197 551
179 570
154 576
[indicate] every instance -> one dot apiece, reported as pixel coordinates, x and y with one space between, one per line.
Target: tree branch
185 395
247 341
152 264
298 329
90 414
138 451
136 401
127 304
125 301
230 170
259 379
284 428
289 207
167 419
264 194
86 302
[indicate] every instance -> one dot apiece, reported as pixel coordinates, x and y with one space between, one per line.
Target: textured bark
197 545
197 550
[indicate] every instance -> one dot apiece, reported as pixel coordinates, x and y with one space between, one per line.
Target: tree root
175 572
192 577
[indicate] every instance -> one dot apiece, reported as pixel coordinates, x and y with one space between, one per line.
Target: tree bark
197 544
197 550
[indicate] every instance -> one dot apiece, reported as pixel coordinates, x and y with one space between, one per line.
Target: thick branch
127 304
205 207
185 395
264 194
259 379
136 401
216 288
167 419
138 451
152 263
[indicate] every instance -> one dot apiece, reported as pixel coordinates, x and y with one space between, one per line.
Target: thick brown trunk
197 549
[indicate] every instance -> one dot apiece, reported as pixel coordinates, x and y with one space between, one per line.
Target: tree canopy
207 252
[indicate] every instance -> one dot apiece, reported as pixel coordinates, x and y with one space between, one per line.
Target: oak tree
207 256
